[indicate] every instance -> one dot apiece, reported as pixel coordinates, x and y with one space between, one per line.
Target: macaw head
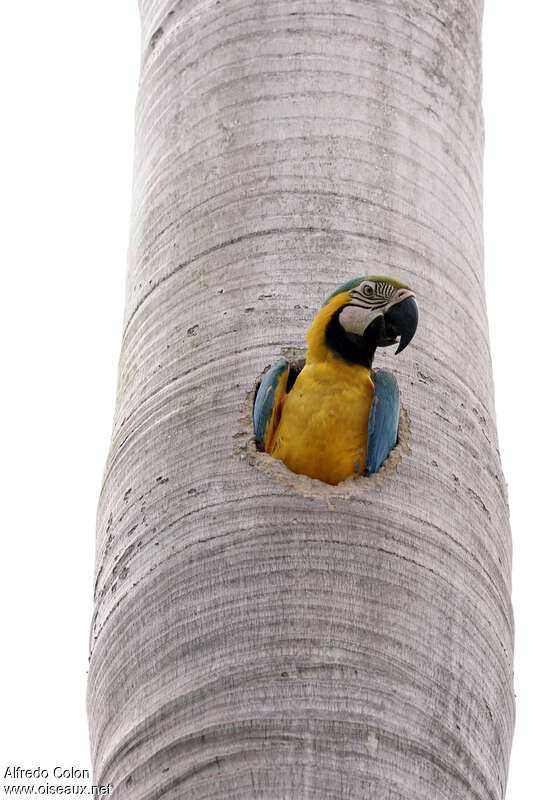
364 314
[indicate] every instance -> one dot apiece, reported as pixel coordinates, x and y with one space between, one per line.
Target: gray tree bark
256 634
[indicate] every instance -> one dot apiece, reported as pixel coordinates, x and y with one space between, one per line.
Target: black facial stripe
385 289
371 304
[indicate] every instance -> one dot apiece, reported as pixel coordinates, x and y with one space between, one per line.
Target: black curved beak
402 320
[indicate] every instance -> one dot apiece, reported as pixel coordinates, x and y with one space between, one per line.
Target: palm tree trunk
258 635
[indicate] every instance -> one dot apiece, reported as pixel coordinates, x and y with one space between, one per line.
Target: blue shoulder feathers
383 420
269 401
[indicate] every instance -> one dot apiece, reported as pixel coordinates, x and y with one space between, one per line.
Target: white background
69 79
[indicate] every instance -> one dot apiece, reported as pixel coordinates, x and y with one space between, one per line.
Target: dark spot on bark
479 501
191 492
193 330
160 479
488 708
155 37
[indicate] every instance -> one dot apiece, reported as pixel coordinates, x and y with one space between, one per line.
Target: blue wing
383 420
268 402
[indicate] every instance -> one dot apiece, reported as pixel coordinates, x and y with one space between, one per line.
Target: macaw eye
368 291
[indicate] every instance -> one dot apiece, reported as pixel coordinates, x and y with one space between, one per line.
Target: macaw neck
327 340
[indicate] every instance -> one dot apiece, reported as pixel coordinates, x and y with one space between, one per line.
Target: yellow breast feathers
323 429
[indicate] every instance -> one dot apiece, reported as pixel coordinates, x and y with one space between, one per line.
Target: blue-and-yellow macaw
336 419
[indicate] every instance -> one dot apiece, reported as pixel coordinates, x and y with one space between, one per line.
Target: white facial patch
355 320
